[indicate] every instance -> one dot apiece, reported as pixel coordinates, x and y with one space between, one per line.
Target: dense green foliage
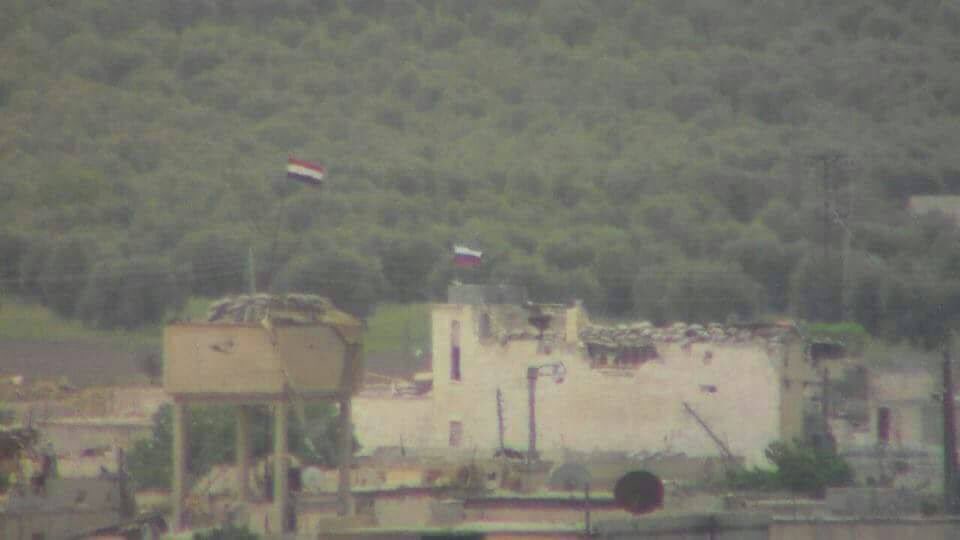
211 432
663 159
226 532
800 468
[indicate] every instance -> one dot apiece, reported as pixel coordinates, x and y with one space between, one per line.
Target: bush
800 468
229 532
851 334
211 432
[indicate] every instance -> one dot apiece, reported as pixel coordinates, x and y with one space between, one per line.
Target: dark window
37 536
455 363
883 425
826 351
455 350
484 331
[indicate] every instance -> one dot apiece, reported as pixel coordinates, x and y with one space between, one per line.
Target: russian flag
306 172
466 257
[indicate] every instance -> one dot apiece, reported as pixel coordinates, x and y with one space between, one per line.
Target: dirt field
83 364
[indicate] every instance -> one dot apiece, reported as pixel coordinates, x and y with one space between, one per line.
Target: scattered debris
644 333
270 310
298 308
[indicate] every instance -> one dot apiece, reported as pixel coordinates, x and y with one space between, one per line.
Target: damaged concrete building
634 389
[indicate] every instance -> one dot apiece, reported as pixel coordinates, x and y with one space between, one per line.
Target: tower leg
280 466
180 446
345 455
243 453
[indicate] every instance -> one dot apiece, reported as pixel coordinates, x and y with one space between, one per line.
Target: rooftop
644 333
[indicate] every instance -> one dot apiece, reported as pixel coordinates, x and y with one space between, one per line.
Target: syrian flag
306 172
466 257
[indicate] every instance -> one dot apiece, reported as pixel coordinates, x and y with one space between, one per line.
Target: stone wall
383 421
733 385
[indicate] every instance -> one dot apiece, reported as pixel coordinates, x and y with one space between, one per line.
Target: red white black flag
306 172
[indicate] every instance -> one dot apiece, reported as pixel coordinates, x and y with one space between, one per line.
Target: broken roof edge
643 333
285 310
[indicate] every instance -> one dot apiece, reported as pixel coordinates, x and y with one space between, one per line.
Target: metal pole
243 453
586 498
345 454
532 402
180 448
500 417
281 496
949 435
253 271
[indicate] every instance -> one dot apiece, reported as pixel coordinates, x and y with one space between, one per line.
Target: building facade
636 389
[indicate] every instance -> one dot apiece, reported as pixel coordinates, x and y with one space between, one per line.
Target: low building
897 439
65 507
40 504
501 372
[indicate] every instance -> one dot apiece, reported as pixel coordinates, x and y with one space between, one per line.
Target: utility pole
532 373
949 434
500 417
845 254
558 370
828 162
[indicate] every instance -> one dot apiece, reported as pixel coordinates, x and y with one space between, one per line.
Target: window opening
883 425
455 350
485 328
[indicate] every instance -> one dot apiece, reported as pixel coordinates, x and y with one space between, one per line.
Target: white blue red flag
306 172
465 257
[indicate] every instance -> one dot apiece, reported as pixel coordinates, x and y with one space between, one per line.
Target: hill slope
695 159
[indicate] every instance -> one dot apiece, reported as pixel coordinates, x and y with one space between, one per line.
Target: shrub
800 468
229 532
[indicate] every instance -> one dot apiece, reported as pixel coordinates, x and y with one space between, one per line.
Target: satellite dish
570 477
639 492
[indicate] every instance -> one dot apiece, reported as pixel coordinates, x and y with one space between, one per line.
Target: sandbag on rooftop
284 309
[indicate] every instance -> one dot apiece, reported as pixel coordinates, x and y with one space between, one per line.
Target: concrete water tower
263 349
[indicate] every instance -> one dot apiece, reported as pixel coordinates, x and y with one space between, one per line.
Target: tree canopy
737 158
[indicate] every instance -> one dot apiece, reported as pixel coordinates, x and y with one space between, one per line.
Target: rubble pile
642 334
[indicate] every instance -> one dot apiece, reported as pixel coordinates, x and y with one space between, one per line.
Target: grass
398 327
33 322
393 327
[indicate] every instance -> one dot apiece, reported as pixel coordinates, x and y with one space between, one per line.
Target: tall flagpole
252 270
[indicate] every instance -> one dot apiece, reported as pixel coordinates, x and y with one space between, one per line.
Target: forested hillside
694 159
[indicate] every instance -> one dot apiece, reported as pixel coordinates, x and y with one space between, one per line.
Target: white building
635 389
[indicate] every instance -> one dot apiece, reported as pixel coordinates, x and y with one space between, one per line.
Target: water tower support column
179 483
280 468
243 453
345 454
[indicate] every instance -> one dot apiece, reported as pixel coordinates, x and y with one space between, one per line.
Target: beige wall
795 372
221 359
542 515
54 525
74 436
388 422
629 410
908 395
866 530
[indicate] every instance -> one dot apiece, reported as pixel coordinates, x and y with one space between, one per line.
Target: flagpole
252 270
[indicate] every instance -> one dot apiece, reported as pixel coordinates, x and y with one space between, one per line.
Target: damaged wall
383 422
734 386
